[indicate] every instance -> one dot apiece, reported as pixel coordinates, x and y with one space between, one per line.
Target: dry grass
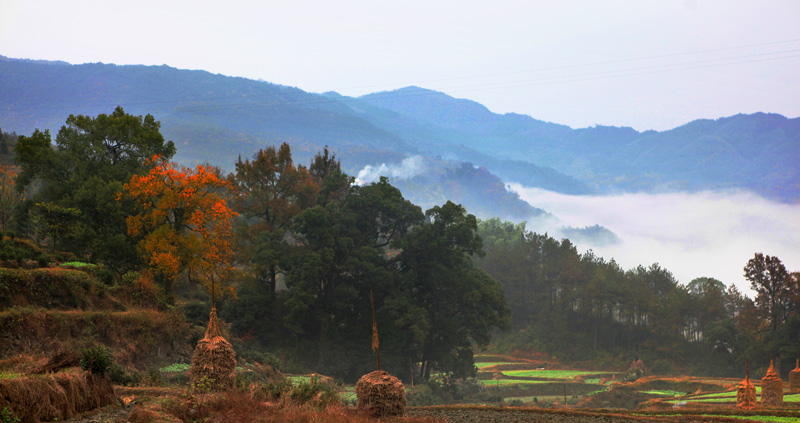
235 407
61 360
59 396
134 336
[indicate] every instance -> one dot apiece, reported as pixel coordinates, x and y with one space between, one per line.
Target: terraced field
728 397
527 383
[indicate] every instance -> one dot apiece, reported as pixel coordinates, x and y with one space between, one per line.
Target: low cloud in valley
691 234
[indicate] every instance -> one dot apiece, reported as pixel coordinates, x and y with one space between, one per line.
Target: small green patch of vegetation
717 395
791 398
492 382
4 375
550 374
299 379
175 368
665 393
6 416
77 264
768 419
96 360
483 364
597 391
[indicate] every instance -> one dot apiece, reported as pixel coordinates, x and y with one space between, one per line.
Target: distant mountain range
467 152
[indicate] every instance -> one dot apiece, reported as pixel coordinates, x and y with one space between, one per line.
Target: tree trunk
273 280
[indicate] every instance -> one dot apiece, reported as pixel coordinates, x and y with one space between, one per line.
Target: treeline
583 308
306 249
305 252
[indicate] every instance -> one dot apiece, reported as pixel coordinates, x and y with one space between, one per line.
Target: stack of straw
771 388
214 357
382 394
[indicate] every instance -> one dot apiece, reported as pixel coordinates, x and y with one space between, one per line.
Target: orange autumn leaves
184 221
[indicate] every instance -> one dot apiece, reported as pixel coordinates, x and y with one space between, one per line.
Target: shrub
7 417
119 376
196 312
43 260
320 393
104 274
154 377
96 360
130 277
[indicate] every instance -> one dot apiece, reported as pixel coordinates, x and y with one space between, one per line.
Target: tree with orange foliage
184 223
10 198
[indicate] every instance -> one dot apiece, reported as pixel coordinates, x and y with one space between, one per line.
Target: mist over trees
586 309
306 248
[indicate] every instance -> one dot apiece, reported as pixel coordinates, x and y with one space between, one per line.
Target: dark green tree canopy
85 170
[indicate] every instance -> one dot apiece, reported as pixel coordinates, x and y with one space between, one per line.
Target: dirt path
110 414
497 415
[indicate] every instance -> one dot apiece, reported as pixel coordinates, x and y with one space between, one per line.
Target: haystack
794 379
214 357
746 394
771 388
382 394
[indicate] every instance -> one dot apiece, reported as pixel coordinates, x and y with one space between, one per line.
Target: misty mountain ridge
215 118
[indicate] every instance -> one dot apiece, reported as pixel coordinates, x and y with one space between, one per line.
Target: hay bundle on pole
746 392
214 357
379 392
771 388
794 378
382 394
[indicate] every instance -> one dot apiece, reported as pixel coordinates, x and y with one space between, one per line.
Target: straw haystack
214 357
382 394
746 394
794 378
771 388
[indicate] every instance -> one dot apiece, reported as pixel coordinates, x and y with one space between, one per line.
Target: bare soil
467 414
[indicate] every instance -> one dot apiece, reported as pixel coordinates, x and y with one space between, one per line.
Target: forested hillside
292 255
587 309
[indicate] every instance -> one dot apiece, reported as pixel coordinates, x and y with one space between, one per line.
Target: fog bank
708 233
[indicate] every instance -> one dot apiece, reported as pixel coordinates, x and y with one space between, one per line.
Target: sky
704 234
644 64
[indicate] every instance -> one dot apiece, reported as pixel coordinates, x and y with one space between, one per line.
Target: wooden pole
375 343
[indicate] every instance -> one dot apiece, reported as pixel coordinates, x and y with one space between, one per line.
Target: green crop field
491 382
299 379
550 374
665 393
490 363
767 419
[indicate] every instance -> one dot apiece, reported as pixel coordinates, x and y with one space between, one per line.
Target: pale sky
645 64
